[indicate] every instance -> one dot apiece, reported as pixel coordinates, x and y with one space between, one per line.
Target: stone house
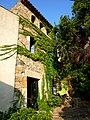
19 72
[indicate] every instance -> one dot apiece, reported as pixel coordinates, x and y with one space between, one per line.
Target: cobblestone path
79 110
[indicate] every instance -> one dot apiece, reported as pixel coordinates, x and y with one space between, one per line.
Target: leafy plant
30 114
23 114
20 100
1 115
55 101
42 115
7 114
73 56
45 49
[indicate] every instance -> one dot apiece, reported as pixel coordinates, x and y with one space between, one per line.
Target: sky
50 9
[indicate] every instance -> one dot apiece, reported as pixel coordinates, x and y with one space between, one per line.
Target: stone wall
26 67
20 9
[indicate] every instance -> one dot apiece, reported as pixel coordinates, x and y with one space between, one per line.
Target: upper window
41 25
47 31
32 18
31 44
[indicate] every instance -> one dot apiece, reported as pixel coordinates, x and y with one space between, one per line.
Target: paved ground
79 110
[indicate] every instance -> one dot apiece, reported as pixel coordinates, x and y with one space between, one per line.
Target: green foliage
1 115
45 49
54 101
72 35
81 13
42 115
45 53
7 51
43 106
20 100
48 104
24 51
23 114
81 82
7 114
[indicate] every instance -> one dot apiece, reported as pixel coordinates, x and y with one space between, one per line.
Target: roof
36 12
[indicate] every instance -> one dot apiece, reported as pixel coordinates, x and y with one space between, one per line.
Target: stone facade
19 71
28 68
21 9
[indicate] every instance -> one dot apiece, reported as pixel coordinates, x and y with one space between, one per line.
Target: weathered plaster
8 35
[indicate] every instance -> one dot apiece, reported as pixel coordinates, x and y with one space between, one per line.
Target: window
47 31
32 18
41 25
32 45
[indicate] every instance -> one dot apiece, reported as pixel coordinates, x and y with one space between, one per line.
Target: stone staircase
73 109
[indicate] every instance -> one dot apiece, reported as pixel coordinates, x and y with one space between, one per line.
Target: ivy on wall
45 49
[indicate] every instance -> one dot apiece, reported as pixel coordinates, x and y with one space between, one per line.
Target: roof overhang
36 12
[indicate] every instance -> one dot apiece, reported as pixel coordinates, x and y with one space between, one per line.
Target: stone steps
75 112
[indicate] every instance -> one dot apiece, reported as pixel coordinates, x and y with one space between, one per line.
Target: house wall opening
32 92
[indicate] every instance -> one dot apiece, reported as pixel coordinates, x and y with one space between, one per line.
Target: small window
41 25
47 31
32 18
32 45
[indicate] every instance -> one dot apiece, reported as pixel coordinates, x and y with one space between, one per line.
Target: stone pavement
76 110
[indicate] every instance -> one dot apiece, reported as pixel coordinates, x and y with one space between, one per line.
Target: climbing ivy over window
45 48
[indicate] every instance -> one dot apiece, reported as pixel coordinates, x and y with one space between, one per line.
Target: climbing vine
45 49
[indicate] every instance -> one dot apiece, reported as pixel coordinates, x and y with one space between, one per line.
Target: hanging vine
45 49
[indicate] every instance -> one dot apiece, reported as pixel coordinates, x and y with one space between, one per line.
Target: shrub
43 106
7 114
55 101
44 112
42 115
1 115
30 114
23 114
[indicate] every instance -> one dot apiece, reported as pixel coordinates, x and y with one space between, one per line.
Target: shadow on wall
6 96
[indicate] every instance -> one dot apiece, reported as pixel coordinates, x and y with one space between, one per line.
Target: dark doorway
32 92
